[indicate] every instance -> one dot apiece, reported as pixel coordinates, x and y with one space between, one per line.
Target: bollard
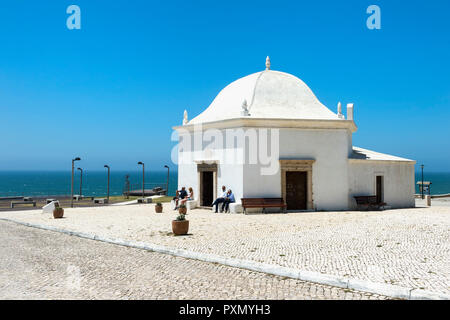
428 200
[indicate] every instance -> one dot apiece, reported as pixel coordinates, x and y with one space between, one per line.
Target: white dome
269 95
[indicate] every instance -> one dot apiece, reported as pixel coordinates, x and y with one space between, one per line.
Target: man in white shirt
221 198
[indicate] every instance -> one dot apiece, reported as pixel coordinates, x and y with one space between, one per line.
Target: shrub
181 217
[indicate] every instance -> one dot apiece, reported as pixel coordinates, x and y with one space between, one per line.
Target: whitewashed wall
335 178
330 171
229 175
330 177
398 181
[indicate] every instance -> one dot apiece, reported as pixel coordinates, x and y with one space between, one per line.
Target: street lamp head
76 159
80 169
166 166
140 162
106 166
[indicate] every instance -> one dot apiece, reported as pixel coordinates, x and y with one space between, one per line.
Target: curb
310 276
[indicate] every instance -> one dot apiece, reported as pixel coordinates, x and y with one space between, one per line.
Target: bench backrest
259 201
250 201
273 200
366 199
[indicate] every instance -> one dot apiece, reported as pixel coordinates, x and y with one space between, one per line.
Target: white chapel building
310 160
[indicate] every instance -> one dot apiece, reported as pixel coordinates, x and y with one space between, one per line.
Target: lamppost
127 185
421 166
143 179
167 184
71 189
81 181
109 170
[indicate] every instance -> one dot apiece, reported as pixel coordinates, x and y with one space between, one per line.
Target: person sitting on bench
182 194
229 199
189 197
221 199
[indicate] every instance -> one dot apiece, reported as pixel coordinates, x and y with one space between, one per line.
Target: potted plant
180 226
158 207
182 209
58 212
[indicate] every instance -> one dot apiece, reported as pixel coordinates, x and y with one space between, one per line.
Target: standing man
221 199
229 199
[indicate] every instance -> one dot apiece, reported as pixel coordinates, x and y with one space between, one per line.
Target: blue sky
111 92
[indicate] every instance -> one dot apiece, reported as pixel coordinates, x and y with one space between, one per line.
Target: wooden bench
263 203
14 203
368 202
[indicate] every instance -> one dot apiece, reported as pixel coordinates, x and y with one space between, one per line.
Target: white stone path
408 247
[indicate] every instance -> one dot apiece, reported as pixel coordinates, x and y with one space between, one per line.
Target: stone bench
144 200
77 197
190 204
101 200
14 203
151 199
234 207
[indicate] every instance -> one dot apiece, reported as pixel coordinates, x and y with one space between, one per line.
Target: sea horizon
57 182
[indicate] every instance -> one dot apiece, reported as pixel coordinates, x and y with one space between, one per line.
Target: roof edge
376 157
273 123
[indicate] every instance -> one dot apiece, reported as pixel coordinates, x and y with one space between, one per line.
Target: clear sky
111 92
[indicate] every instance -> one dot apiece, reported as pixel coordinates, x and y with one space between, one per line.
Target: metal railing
136 187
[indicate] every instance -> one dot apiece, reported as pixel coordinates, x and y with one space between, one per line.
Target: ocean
57 183
440 181
53 183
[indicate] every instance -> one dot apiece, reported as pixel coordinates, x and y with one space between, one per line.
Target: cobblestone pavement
405 247
38 264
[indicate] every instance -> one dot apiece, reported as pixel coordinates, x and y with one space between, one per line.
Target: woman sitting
189 197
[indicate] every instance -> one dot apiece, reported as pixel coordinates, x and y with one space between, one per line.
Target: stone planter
58 213
180 227
158 208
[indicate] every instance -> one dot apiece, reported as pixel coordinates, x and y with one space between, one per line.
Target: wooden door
296 190
207 188
379 189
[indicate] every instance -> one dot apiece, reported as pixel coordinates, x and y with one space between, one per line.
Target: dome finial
267 63
185 118
340 115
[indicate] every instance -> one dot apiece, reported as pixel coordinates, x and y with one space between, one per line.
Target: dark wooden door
207 188
379 189
296 190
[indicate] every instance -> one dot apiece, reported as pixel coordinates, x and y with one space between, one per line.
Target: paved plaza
405 247
38 264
